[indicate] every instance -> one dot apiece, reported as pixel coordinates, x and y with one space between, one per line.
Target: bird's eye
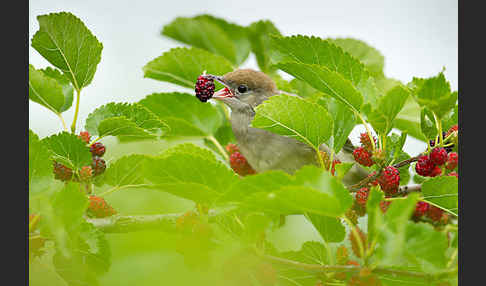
242 88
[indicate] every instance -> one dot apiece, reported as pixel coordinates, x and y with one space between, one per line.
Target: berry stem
63 122
220 148
76 111
439 128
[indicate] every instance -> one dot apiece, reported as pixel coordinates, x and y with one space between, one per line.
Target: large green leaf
182 66
343 122
259 34
330 228
124 119
45 90
185 115
195 177
69 149
408 119
424 243
40 164
435 94
295 117
442 191
327 81
369 56
311 190
66 43
382 117
213 34
314 50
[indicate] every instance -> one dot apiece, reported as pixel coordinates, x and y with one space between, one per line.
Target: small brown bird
264 150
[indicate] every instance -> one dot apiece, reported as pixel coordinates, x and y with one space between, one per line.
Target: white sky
416 37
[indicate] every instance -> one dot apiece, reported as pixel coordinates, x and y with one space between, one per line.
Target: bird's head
244 86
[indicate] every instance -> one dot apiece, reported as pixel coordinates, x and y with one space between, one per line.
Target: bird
244 90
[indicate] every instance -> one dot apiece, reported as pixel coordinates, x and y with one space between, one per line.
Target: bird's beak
224 92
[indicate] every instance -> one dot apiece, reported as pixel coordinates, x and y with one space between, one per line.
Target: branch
123 224
403 190
351 268
367 180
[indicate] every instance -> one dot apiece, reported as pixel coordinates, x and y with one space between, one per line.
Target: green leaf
369 56
64 41
184 113
62 213
67 88
424 243
331 229
314 50
259 34
305 90
408 119
311 252
428 124
343 123
182 66
69 150
342 169
40 164
213 34
450 119
435 94
126 171
190 149
309 190
294 117
442 192
45 90
92 257
327 81
124 119
388 107
195 177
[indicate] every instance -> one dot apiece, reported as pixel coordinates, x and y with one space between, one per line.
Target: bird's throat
240 121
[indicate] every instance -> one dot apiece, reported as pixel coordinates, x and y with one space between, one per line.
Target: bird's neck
240 121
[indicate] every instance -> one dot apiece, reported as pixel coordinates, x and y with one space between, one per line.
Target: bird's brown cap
255 80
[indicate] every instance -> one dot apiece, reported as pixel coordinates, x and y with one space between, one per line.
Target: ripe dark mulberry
434 213
452 160
421 209
98 165
204 88
99 208
366 142
363 157
437 171
97 149
424 166
239 164
438 156
62 172
389 180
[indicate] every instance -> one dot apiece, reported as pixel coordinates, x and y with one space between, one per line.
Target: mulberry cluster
98 165
430 165
366 155
204 88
